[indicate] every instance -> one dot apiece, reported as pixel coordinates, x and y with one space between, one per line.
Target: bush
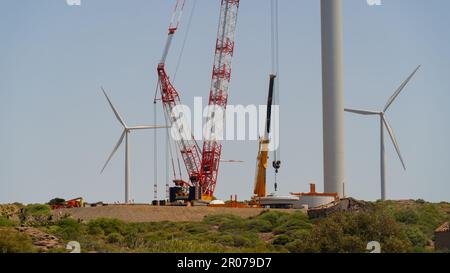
243 240
281 240
37 210
114 238
5 222
259 225
271 216
224 239
107 226
416 237
195 228
69 229
291 222
12 241
407 216
36 215
350 233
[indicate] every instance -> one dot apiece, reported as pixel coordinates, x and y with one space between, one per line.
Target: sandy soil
144 213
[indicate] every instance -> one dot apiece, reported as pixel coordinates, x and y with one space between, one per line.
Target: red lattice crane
220 83
202 170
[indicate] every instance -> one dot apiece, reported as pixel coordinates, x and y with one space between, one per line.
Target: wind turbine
125 134
384 123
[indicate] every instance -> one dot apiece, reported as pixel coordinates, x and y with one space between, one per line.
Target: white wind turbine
384 123
125 134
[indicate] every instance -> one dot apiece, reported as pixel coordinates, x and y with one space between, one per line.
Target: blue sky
57 129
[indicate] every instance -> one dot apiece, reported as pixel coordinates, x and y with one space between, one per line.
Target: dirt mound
346 204
143 213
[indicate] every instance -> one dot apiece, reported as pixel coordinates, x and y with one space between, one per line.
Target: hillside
400 226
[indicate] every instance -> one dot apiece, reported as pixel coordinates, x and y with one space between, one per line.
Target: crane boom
220 83
263 150
170 98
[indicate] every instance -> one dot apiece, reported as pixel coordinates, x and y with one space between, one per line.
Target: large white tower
333 97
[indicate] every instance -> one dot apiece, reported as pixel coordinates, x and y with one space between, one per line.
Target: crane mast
220 83
170 98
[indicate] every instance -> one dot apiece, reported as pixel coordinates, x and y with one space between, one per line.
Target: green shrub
281 240
37 210
271 216
184 246
407 216
114 238
69 229
5 222
224 239
305 245
416 237
294 221
195 228
12 241
259 225
107 226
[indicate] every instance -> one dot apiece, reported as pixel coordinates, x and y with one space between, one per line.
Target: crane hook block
276 165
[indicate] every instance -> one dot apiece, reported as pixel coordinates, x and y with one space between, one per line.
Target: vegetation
12 241
399 227
5 222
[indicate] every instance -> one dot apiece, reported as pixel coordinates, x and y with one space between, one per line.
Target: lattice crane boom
170 98
220 83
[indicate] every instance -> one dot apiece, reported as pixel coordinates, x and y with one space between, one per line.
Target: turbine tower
385 124
333 97
125 134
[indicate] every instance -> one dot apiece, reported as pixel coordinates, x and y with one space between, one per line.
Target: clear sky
57 129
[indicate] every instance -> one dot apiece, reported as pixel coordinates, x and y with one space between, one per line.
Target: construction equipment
218 99
263 150
264 141
59 203
202 166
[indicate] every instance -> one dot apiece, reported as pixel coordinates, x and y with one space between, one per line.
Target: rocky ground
41 240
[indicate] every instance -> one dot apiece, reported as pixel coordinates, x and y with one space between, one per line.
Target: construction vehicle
202 166
260 184
59 203
263 150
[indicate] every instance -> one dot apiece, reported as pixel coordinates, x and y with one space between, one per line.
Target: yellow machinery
263 151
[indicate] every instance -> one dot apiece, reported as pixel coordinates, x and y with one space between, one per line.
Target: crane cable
188 28
275 71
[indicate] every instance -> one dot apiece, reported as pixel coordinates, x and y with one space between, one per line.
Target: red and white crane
202 166
220 83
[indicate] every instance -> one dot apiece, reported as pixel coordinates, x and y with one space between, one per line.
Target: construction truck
59 203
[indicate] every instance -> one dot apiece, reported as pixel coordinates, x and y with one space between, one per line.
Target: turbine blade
119 118
114 150
399 90
394 141
362 112
146 127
